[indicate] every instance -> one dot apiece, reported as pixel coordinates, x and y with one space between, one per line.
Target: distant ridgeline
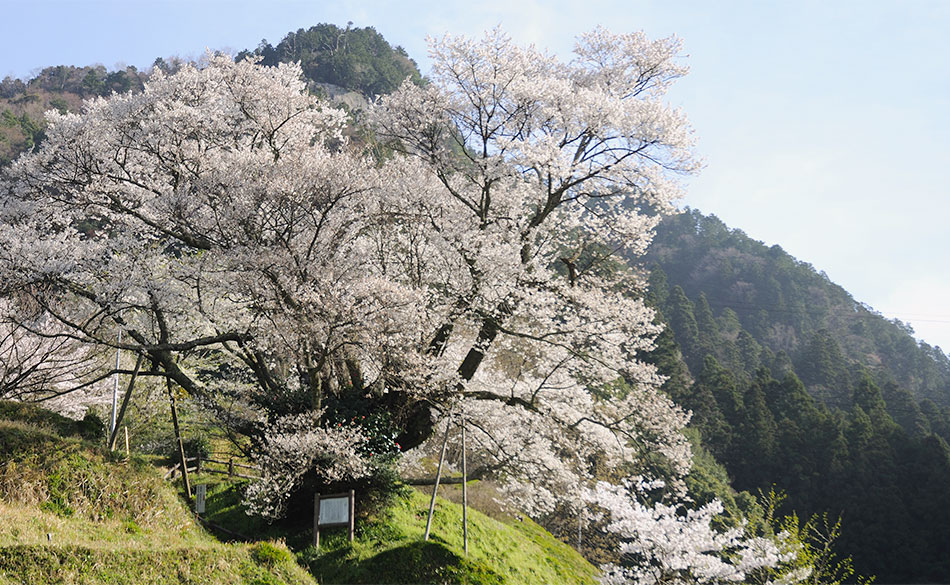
748 305
355 59
795 384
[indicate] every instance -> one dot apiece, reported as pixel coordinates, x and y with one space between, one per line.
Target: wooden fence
209 465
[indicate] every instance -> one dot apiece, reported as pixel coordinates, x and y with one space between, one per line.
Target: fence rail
200 465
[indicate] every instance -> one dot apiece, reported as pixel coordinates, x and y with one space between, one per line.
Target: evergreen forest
795 385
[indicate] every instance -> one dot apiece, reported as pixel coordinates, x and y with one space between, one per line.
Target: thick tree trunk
487 333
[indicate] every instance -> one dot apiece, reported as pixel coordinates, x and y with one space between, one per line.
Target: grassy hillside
73 514
390 549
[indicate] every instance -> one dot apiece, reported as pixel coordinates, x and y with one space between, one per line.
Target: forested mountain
793 383
358 59
755 305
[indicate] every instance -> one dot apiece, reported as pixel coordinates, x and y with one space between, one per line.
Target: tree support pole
464 490
438 476
125 404
181 446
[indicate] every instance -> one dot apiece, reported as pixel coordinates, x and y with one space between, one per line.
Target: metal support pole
464 491
115 393
352 514
580 524
438 476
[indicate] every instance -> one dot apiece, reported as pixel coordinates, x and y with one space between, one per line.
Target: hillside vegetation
72 513
750 305
348 59
794 384
390 549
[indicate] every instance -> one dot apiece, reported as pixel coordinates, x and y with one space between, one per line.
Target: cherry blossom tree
218 221
38 363
676 543
538 173
223 222
458 263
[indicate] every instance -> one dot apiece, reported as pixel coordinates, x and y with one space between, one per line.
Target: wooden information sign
333 510
201 492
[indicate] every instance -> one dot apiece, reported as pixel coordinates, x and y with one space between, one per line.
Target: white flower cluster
664 543
296 445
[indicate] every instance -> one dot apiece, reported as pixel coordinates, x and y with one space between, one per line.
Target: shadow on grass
410 564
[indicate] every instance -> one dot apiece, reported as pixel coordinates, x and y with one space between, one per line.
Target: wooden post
181 446
198 463
125 404
316 521
230 467
352 514
438 476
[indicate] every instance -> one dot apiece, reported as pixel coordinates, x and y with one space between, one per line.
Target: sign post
200 492
333 510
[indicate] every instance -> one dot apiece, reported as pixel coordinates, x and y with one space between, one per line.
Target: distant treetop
358 59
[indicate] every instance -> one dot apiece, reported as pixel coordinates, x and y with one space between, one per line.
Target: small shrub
91 427
268 554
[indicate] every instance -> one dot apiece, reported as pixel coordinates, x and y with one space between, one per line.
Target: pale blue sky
825 125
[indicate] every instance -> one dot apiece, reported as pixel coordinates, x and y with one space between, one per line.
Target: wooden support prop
464 491
181 446
316 520
125 404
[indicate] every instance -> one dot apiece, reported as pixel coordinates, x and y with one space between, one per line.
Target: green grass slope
71 513
74 513
389 549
